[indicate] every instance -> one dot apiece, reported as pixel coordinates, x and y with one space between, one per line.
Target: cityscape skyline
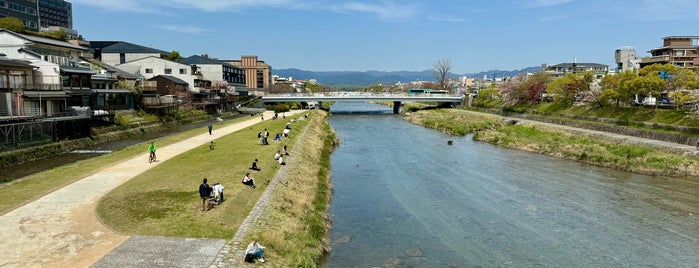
323 35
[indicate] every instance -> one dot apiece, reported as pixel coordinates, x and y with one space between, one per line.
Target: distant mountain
335 78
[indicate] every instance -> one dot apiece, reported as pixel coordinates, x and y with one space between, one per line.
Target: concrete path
687 149
61 228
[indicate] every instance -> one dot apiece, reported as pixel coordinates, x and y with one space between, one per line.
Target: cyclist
151 149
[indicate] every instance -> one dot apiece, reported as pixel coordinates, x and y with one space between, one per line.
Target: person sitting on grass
255 166
278 137
254 251
284 151
247 180
281 160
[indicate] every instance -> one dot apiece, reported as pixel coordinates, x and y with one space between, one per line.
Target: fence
18 135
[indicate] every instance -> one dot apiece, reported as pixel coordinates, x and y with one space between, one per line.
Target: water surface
404 198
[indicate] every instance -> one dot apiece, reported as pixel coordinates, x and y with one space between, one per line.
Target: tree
173 56
535 87
13 24
281 88
512 91
440 71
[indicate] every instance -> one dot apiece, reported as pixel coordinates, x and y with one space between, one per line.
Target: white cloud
384 9
444 18
551 18
119 5
188 29
548 3
667 9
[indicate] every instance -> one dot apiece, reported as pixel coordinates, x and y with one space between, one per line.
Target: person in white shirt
247 180
256 250
218 188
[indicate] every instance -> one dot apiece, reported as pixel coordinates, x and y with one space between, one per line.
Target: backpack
249 258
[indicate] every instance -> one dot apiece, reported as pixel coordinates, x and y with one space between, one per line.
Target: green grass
557 142
32 187
165 200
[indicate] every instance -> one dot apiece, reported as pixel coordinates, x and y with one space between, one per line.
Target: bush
280 108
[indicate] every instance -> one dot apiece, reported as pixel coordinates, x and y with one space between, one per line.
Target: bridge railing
362 94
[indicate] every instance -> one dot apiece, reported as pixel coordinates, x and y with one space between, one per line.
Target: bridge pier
397 105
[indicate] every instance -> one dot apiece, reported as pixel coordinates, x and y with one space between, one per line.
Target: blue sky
391 35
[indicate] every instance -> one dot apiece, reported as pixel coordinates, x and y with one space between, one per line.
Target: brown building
682 51
257 73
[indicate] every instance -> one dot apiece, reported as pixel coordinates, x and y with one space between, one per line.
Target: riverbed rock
413 252
343 240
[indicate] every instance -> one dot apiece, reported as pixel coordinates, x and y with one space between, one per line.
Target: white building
151 66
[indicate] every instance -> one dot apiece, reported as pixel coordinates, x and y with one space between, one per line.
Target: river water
403 197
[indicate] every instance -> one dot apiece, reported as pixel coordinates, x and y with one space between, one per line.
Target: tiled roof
201 60
75 69
44 40
119 72
15 63
171 78
124 47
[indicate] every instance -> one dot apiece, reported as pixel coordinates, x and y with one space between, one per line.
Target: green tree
12 24
173 56
649 86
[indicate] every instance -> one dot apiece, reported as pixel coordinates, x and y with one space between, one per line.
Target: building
257 73
23 46
625 58
55 13
39 15
119 52
152 66
562 69
213 70
681 51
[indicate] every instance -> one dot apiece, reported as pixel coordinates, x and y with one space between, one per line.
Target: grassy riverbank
295 224
19 192
164 201
592 149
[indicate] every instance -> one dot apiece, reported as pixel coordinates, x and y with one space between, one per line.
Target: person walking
204 193
211 127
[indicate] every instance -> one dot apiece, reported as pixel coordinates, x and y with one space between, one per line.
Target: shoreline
607 150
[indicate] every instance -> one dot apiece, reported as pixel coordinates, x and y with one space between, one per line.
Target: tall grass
596 150
295 224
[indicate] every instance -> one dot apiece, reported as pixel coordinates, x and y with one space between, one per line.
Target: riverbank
580 146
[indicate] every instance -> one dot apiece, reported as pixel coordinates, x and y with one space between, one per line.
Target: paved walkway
687 149
61 228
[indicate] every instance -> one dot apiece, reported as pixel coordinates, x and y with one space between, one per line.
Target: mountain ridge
372 77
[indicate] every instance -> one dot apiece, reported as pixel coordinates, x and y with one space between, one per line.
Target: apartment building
681 51
562 69
119 52
39 14
212 70
258 74
625 58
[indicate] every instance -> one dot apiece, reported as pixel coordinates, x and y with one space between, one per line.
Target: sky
391 35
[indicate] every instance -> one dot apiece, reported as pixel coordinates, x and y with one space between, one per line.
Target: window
31 11
149 70
695 41
679 52
183 71
168 71
2 4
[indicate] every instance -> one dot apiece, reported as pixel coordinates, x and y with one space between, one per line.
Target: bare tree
440 71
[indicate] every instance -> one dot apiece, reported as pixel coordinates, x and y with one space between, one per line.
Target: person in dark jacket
204 193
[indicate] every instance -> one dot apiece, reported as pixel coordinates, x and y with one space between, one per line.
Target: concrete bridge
396 98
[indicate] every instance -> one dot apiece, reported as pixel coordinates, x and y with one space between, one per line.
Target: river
403 197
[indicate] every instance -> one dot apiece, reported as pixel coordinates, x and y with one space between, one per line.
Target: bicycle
151 157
